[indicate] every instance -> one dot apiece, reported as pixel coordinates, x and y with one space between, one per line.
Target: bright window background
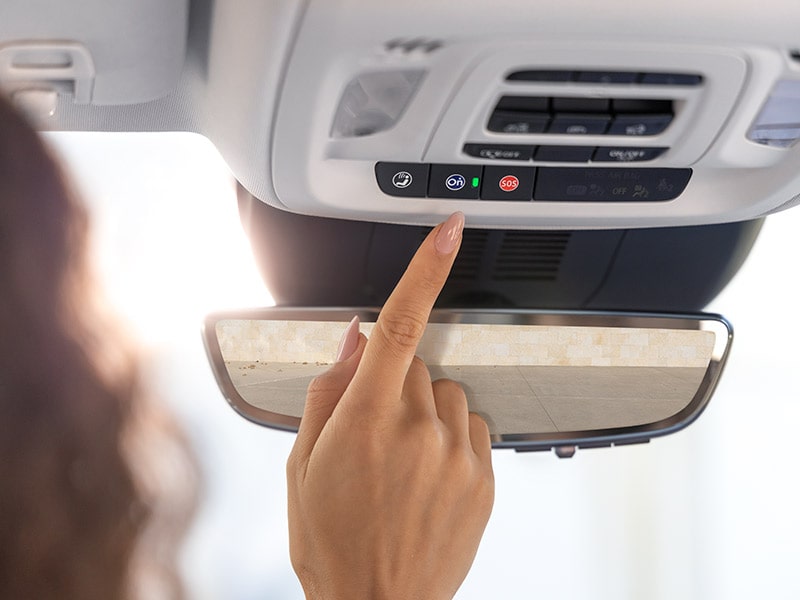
709 513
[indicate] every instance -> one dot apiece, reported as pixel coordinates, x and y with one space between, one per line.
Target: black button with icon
403 179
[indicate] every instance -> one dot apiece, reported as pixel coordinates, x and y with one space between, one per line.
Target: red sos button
509 183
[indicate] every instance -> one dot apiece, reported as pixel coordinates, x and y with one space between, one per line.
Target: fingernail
450 233
349 341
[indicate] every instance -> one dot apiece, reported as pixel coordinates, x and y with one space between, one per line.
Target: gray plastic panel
137 46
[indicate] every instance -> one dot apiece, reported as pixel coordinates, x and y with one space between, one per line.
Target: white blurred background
712 512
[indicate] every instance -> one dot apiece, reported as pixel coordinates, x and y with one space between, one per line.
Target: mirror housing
542 380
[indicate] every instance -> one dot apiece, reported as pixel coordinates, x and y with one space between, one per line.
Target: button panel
523 183
577 115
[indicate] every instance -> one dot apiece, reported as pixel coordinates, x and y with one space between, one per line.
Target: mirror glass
532 376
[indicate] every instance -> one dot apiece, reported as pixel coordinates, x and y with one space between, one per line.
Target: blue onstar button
455 182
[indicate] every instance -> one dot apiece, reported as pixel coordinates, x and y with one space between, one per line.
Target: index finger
401 323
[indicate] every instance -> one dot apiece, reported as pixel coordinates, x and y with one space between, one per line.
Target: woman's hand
390 478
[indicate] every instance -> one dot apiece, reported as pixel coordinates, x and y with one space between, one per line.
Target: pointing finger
393 341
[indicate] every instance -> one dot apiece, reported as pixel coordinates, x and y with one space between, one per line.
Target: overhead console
547 126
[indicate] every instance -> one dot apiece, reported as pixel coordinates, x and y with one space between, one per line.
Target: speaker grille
472 253
509 255
530 255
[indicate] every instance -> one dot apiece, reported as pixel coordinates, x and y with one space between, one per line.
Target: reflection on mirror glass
520 378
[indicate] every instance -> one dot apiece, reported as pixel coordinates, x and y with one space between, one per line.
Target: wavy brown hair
85 460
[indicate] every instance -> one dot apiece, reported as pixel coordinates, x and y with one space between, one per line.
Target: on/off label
509 183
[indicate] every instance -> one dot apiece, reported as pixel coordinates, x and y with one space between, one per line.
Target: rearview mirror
541 380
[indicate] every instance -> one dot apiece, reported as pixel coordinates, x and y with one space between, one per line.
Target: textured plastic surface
137 46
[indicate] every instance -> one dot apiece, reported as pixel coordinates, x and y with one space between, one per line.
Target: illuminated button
507 183
455 181
402 179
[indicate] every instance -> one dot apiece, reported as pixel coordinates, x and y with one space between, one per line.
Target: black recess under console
523 183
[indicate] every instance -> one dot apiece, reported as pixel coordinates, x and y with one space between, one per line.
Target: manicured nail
449 235
349 341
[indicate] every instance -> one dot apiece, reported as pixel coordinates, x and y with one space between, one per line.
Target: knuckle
322 385
425 434
478 423
451 389
401 329
461 464
418 368
474 476
430 279
370 447
418 363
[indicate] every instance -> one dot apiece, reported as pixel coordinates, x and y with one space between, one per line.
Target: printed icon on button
402 179
577 190
455 182
637 129
509 183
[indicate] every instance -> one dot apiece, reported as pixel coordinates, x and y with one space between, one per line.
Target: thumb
326 389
